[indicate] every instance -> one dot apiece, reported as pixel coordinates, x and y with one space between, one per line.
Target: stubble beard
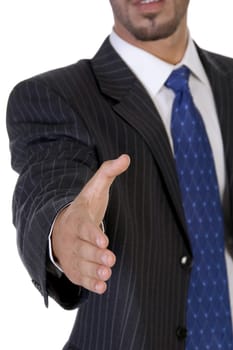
153 31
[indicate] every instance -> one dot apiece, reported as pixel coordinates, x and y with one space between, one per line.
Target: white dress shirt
152 72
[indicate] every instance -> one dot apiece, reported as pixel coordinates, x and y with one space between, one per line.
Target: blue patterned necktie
208 309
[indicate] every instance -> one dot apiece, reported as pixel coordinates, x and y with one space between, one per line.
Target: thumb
106 174
96 192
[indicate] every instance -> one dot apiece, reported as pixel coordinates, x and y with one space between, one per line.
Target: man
99 206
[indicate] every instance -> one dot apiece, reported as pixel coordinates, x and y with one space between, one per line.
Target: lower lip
150 7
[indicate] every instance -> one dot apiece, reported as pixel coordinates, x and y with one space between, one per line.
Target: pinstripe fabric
62 125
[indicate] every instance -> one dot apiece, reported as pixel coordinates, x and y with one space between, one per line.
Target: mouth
149 5
148 1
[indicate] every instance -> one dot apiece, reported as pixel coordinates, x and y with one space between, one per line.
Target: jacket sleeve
54 156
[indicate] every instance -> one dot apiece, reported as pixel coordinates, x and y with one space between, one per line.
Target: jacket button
186 262
181 333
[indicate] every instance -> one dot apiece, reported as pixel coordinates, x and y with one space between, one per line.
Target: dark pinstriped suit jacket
62 126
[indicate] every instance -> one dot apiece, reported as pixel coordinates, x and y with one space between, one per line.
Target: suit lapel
133 104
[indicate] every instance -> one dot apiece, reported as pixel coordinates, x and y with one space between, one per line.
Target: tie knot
178 79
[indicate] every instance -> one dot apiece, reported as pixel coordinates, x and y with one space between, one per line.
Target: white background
36 36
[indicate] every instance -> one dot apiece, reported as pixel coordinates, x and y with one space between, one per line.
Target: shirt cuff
50 240
51 251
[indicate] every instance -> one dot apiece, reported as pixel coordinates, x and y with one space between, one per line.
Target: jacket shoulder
223 64
69 83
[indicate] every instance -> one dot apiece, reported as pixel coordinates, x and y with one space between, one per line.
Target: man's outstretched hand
78 243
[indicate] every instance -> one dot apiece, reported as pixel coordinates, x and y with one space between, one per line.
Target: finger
86 251
94 271
105 176
92 284
89 232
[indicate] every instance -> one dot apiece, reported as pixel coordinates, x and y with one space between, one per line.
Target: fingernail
98 287
106 259
102 273
100 242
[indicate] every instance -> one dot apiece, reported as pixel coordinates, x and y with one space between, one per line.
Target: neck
170 50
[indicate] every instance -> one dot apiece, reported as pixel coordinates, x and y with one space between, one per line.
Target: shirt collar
146 66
